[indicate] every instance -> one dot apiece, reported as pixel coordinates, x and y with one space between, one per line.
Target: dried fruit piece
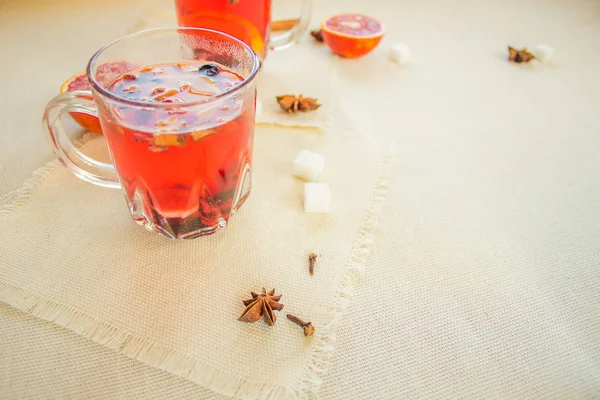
166 122
158 90
170 140
200 134
261 305
519 56
197 92
158 149
168 93
292 104
142 137
130 77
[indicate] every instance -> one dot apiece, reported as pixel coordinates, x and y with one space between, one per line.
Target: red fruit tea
184 169
247 20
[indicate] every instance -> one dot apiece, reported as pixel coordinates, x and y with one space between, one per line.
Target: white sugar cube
400 53
259 107
543 52
308 165
317 197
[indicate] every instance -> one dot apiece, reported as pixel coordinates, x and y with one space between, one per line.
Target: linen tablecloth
484 278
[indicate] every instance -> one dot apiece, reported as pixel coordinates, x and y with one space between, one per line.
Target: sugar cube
308 165
543 52
317 197
400 53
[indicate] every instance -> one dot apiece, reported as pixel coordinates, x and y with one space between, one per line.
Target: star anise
292 104
519 56
261 305
317 34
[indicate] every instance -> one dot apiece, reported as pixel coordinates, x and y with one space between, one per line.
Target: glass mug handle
84 167
287 39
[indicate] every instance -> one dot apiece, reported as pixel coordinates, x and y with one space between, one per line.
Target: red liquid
247 20
182 168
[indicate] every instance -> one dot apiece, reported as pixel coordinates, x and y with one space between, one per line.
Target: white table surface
484 281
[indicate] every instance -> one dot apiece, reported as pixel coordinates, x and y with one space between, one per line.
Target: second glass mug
247 20
184 166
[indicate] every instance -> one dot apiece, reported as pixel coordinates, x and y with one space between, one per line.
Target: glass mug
247 20
184 157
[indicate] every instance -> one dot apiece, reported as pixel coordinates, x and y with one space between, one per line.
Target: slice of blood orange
105 73
352 35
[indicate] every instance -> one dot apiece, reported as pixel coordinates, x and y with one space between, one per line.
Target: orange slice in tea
352 35
108 71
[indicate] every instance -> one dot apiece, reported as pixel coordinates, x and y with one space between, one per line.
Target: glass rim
209 99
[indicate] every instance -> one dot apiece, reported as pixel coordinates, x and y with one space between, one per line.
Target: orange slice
80 82
352 35
108 71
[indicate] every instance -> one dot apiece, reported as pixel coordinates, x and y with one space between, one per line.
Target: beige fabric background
484 281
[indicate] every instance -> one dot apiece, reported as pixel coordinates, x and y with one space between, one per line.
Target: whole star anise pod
292 104
261 305
519 56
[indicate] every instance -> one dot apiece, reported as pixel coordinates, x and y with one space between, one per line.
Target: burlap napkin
69 253
306 70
